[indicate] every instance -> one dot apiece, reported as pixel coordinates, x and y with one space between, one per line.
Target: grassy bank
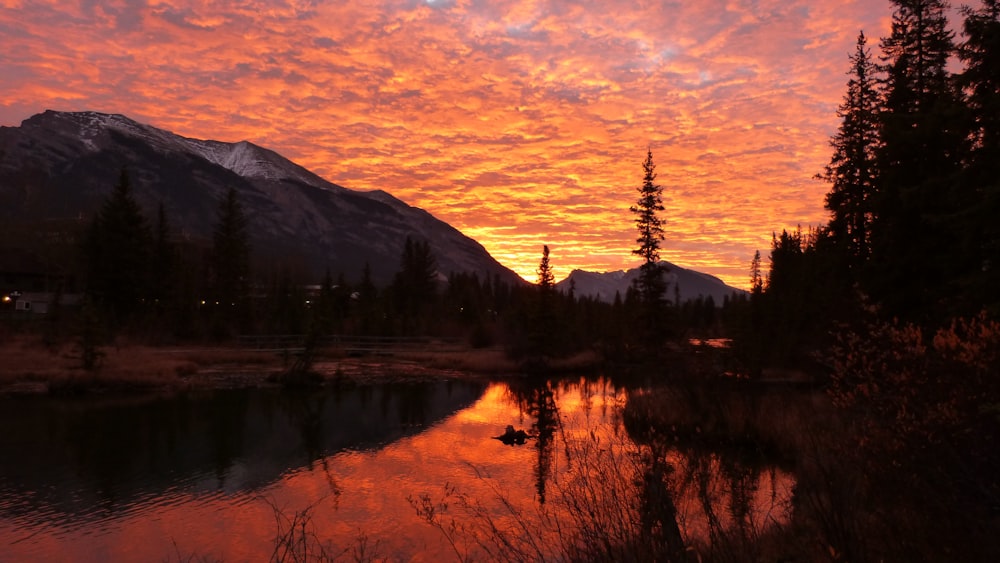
31 366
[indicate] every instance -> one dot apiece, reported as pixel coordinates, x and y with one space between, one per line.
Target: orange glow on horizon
519 123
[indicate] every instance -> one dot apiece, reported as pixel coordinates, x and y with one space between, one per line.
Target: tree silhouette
852 170
415 285
650 283
544 333
163 267
231 260
921 145
979 244
546 280
117 248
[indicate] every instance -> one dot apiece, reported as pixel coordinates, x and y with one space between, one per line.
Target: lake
217 475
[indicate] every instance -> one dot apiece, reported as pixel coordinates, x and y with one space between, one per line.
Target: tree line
142 281
914 192
893 303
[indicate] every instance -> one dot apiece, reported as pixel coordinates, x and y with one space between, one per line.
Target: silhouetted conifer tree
852 170
650 284
231 261
756 280
921 146
979 274
544 332
415 286
162 288
118 255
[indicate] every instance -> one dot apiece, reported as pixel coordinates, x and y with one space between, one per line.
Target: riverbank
32 367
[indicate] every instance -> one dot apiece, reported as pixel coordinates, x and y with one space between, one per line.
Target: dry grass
29 365
495 361
32 366
481 360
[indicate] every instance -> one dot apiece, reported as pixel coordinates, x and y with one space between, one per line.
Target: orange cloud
521 123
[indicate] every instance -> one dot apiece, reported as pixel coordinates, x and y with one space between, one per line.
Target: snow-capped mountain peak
690 284
243 158
61 164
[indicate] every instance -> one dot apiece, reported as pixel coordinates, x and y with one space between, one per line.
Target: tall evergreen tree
231 260
980 201
650 284
118 254
163 282
756 280
918 157
546 280
544 325
415 285
852 170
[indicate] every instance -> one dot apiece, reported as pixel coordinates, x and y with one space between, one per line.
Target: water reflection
536 399
726 454
139 479
85 465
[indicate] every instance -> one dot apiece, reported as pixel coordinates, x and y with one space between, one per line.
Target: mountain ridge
690 283
62 164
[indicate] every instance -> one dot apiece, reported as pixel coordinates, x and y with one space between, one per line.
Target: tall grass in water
297 539
619 500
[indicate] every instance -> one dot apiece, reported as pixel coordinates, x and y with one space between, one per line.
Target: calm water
152 479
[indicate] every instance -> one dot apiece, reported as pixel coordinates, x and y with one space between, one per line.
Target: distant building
30 286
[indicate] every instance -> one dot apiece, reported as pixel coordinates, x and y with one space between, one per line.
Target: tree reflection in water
611 472
535 398
694 485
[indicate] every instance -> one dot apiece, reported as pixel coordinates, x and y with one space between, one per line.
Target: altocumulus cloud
503 118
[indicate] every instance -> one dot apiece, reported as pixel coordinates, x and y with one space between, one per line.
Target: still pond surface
203 474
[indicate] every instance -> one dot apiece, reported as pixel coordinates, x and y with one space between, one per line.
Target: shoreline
34 369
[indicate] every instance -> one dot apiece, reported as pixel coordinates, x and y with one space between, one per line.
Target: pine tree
546 280
852 170
415 285
981 78
544 325
118 255
979 201
231 260
163 283
756 281
921 146
650 284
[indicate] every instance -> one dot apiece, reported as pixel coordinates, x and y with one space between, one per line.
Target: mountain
691 284
59 165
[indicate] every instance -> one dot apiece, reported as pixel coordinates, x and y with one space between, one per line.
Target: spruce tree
117 250
163 282
979 200
918 157
415 285
650 284
852 170
231 261
546 280
544 326
756 280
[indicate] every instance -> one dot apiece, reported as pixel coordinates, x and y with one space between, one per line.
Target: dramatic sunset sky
521 123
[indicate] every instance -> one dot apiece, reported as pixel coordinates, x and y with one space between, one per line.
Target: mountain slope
62 165
691 284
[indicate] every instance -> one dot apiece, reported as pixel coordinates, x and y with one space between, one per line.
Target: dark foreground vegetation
891 308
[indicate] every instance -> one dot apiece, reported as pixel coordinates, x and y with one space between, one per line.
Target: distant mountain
63 165
691 284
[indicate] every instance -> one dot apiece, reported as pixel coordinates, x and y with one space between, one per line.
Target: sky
520 122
